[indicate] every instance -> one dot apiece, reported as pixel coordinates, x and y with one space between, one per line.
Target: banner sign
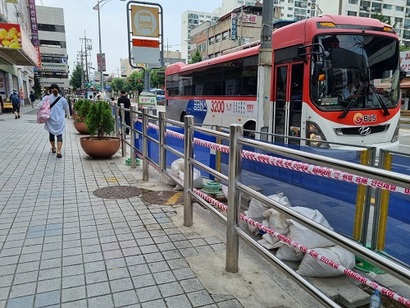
33 22
234 24
101 65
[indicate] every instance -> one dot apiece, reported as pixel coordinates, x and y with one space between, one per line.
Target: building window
387 6
49 43
353 2
351 13
218 38
211 40
399 8
225 35
50 28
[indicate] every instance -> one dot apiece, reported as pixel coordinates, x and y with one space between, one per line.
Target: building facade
190 20
18 55
53 47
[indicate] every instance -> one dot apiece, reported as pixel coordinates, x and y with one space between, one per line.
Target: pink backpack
44 113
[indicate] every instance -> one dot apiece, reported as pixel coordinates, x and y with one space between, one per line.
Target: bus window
348 63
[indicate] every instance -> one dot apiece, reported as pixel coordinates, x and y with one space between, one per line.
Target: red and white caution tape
284 239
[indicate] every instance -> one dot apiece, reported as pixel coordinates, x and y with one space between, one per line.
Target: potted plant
100 124
81 109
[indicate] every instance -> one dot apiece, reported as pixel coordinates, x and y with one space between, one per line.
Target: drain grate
117 192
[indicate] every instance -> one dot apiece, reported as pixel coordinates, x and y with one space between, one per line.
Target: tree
196 58
37 86
158 78
75 80
135 81
118 84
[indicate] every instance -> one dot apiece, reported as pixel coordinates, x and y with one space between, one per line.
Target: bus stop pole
145 175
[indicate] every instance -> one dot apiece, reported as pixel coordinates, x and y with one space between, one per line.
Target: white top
56 123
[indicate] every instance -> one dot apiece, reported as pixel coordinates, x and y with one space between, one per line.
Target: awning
16 47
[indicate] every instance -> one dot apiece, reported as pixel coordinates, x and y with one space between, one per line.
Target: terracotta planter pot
100 148
81 127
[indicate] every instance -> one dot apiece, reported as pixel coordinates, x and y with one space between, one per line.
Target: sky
82 21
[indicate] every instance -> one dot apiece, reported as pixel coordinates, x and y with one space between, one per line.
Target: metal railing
236 188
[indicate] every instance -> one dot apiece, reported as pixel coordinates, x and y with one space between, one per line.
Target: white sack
313 267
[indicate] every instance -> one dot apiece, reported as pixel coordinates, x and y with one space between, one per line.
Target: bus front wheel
249 129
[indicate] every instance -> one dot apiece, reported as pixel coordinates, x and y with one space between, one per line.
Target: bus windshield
354 72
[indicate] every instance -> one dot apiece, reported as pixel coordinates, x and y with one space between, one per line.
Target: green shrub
82 108
99 119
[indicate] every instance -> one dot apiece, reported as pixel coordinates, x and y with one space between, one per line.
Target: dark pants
52 137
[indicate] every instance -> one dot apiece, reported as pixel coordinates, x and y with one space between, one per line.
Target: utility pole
264 69
87 43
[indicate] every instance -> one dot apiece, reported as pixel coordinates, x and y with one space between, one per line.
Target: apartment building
53 47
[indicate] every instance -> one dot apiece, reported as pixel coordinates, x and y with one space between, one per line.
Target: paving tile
191 285
105 301
72 294
200 298
170 289
184 273
50 263
117 273
4 293
143 281
98 289
125 298
73 281
96 277
47 299
73 270
159 303
49 273
121 285
25 277
76 304
179 301
23 289
21 302
94 266
48 285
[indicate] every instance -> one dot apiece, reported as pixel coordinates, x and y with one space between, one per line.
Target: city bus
334 79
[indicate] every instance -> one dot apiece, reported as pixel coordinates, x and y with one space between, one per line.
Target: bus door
287 107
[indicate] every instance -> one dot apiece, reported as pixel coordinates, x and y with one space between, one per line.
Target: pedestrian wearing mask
58 114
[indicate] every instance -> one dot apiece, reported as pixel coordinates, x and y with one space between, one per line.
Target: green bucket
211 187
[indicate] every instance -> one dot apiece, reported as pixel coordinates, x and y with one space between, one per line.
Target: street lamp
97 7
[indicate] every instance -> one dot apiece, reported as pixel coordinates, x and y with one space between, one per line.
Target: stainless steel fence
236 188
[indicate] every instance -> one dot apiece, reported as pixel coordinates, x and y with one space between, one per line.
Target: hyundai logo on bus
365 130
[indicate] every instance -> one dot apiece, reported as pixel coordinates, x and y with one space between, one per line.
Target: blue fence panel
398 222
201 153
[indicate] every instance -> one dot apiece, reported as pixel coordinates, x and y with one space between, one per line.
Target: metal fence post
145 173
234 173
133 114
123 136
188 171
116 115
161 139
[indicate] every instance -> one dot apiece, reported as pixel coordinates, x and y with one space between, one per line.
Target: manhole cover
117 192
164 197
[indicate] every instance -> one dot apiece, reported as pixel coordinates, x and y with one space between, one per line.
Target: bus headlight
396 134
315 136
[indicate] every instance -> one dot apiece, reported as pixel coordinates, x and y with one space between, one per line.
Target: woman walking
59 111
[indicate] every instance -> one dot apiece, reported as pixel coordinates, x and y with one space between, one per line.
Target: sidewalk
63 246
